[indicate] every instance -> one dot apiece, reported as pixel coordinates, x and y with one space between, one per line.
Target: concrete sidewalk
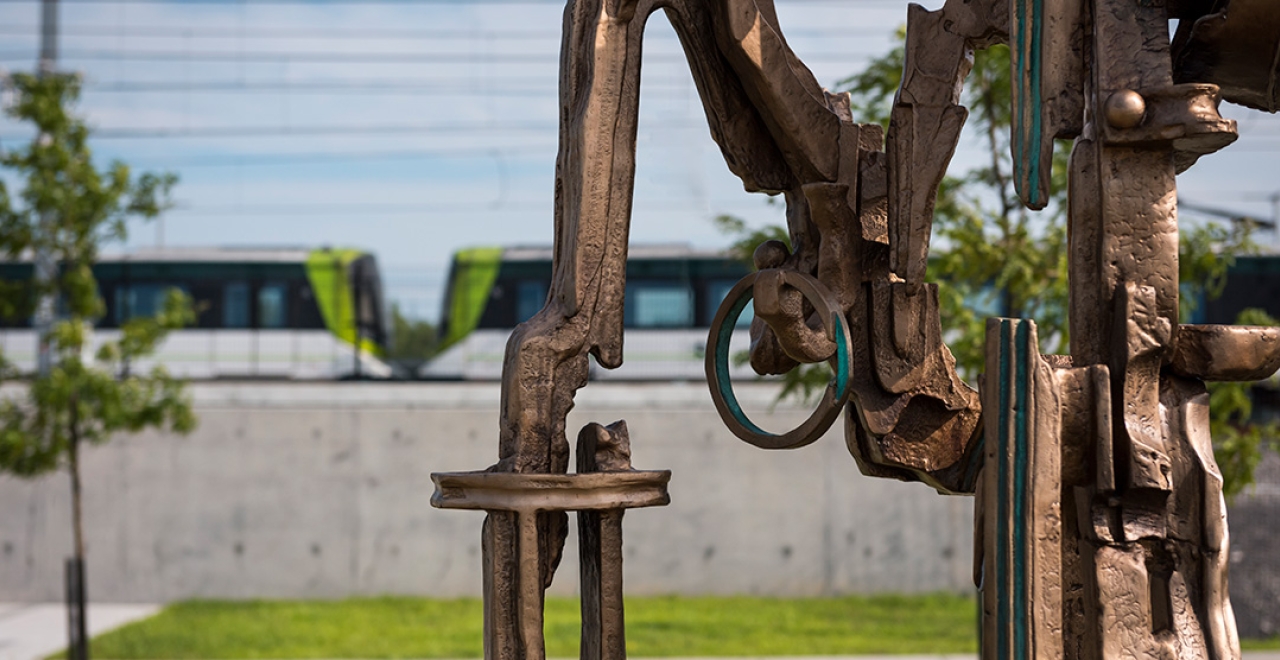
29 631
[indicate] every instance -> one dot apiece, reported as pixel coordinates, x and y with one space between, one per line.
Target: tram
672 294
260 313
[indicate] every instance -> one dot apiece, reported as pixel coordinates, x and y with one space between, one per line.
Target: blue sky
413 128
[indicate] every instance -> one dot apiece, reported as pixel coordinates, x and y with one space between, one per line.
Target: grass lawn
663 626
1272 644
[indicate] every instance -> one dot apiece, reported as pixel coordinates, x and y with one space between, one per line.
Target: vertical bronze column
1021 495
602 449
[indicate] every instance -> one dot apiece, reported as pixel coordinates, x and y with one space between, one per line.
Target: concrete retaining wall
321 490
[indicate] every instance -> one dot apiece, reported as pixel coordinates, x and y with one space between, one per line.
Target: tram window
272 300
716 292
530 297
235 305
306 312
140 300
205 295
657 305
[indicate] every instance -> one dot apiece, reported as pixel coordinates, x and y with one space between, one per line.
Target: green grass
664 626
1272 644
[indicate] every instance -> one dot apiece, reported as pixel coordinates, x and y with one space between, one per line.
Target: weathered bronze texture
1233 44
1125 108
603 488
1100 521
835 345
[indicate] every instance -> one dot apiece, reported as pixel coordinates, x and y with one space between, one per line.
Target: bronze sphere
770 254
1125 109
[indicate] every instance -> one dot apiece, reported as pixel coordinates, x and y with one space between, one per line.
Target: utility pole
45 265
1275 220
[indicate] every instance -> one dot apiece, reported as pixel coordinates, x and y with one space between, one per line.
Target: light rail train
672 294
260 313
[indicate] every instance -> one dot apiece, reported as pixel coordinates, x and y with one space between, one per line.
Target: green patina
327 270
724 336
1022 386
474 272
1002 497
1029 141
1015 385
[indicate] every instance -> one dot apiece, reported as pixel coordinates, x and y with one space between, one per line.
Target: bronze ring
833 399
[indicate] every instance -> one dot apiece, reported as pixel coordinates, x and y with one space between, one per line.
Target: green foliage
1239 439
993 257
411 339
745 239
67 208
871 90
664 626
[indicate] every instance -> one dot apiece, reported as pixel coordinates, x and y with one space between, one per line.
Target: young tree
412 341
66 208
996 258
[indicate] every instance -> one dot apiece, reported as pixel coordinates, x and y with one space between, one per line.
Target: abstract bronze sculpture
1100 517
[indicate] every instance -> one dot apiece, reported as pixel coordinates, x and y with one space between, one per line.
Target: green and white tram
672 295
260 313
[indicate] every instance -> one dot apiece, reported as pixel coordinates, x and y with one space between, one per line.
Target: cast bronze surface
1125 108
529 493
1234 44
1099 519
516 566
718 358
1226 352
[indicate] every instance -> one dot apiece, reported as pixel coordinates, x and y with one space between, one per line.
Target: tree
67 208
994 257
412 341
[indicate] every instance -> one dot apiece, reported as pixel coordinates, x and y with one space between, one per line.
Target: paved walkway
29 631
32 631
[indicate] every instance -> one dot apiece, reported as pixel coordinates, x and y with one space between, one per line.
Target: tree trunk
77 522
77 614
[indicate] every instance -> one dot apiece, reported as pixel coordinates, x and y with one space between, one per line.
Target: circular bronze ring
833 399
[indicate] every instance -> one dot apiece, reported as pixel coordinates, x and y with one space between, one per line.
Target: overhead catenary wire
476 85
373 208
269 159
328 57
457 3
285 32
132 133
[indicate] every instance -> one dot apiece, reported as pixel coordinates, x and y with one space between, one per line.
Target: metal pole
357 279
1275 219
45 266
48 35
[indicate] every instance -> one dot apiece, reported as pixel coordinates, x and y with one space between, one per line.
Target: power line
354 58
181 32
366 209
177 32
278 131
329 156
238 3
650 89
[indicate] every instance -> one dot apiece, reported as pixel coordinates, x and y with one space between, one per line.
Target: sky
413 128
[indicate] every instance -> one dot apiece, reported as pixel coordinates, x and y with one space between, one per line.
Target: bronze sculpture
1100 513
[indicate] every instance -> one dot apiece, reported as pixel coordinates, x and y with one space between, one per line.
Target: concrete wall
321 490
